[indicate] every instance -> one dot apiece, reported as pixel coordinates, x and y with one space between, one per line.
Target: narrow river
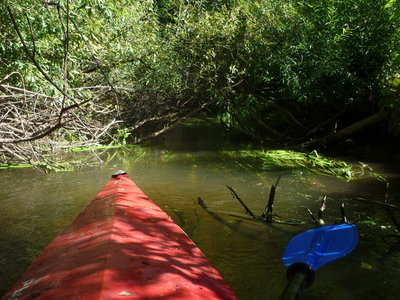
35 207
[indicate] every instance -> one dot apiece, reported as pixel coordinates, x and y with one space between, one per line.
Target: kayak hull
121 246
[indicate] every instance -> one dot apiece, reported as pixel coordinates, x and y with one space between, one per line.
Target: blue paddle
312 249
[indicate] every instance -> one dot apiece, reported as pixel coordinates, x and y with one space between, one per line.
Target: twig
235 195
319 221
344 218
321 210
32 35
24 91
312 215
65 29
386 197
34 61
37 135
104 87
173 123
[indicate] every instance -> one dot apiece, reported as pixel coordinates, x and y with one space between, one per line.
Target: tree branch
34 61
349 130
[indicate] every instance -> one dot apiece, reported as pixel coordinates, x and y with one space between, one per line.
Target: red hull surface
122 246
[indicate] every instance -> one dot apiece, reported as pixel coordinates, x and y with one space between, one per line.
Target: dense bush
272 68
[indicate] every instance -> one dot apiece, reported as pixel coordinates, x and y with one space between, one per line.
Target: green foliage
341 49
43 39
314 162
5 166
310 57
122 135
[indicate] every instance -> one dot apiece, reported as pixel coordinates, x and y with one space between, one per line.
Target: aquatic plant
312 161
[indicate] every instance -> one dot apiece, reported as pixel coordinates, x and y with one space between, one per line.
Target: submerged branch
312 215
321 210
235 195
267 214
377 202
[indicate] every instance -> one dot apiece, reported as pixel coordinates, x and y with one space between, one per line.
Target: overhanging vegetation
287 71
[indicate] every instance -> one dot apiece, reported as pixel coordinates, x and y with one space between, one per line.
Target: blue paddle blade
319 246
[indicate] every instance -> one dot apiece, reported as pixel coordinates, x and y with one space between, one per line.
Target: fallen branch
266 127
172 124
349 130
377 203
235 195
267 214
30 123
37 135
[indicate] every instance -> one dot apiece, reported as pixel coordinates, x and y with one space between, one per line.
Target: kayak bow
121 246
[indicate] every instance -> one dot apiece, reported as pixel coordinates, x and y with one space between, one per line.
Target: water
35 207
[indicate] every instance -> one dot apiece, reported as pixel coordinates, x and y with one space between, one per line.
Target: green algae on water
19 166
312 161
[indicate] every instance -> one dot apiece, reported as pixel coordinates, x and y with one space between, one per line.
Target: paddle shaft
294 286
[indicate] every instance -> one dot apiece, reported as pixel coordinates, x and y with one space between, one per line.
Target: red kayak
122 246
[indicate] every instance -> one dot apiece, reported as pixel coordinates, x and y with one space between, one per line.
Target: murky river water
35 207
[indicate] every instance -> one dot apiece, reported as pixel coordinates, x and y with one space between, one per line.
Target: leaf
367 266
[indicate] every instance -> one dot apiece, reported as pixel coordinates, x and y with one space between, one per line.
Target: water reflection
35 207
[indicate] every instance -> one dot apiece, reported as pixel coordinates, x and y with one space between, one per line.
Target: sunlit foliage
272 68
